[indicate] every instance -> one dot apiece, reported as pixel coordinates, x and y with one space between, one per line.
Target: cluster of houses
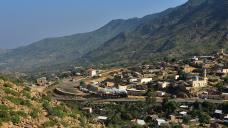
179 118
196 77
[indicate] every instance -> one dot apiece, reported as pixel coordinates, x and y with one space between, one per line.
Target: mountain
197 27
54 52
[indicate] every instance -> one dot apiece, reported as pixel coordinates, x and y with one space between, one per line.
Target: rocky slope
24 107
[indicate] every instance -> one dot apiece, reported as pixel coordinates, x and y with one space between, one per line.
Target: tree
224 107
183 75
220 87
169 106
150 98
204 118
150 101
208 107
152 124
226 80
186 119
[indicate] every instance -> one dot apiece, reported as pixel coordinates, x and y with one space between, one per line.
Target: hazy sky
25 21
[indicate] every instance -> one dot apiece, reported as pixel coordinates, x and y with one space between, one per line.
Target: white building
160 93
177 77
161 121
91 72
200 83
145 80
225 70
122 87
226 118
41 81
163 84
102 118
139 122
133 80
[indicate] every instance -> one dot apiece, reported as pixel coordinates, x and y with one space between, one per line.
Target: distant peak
196 2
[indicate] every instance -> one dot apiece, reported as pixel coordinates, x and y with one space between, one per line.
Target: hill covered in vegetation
25 107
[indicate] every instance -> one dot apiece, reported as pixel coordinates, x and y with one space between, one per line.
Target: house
225 96
160 93
163 84
88 109
225 118
184 106
194 58
196 83
132 80
209 65
218 114
109 84
177 77
145 80
183 113
91 72
136 92
102 119
225 70
188 69
41 81
161 121
173 119
122 87
139 122
198 62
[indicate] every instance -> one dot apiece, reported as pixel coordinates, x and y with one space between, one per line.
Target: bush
13 116
204 118
26 94
3 107
47 124
8 85
10 91
53 111
18 101
28 89
34 113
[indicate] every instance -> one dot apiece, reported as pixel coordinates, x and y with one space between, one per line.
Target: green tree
204 118
152 124
150 98
186 119
169 106
208 107
226 79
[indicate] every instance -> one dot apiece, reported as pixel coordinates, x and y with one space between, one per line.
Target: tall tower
205 75
222 51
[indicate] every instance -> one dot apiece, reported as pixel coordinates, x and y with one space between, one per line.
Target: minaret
222 51
205 75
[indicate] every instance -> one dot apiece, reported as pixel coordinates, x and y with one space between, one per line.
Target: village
183 86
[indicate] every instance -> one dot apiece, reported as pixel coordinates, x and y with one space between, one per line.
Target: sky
26 21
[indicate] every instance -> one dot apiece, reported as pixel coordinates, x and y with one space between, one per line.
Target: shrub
50 123
3 107
34 113
28 89
18 101
53 111
26 94
8 85
10 91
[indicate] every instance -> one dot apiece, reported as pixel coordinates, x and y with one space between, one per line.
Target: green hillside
197 27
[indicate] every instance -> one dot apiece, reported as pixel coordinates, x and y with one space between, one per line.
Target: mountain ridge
196 27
